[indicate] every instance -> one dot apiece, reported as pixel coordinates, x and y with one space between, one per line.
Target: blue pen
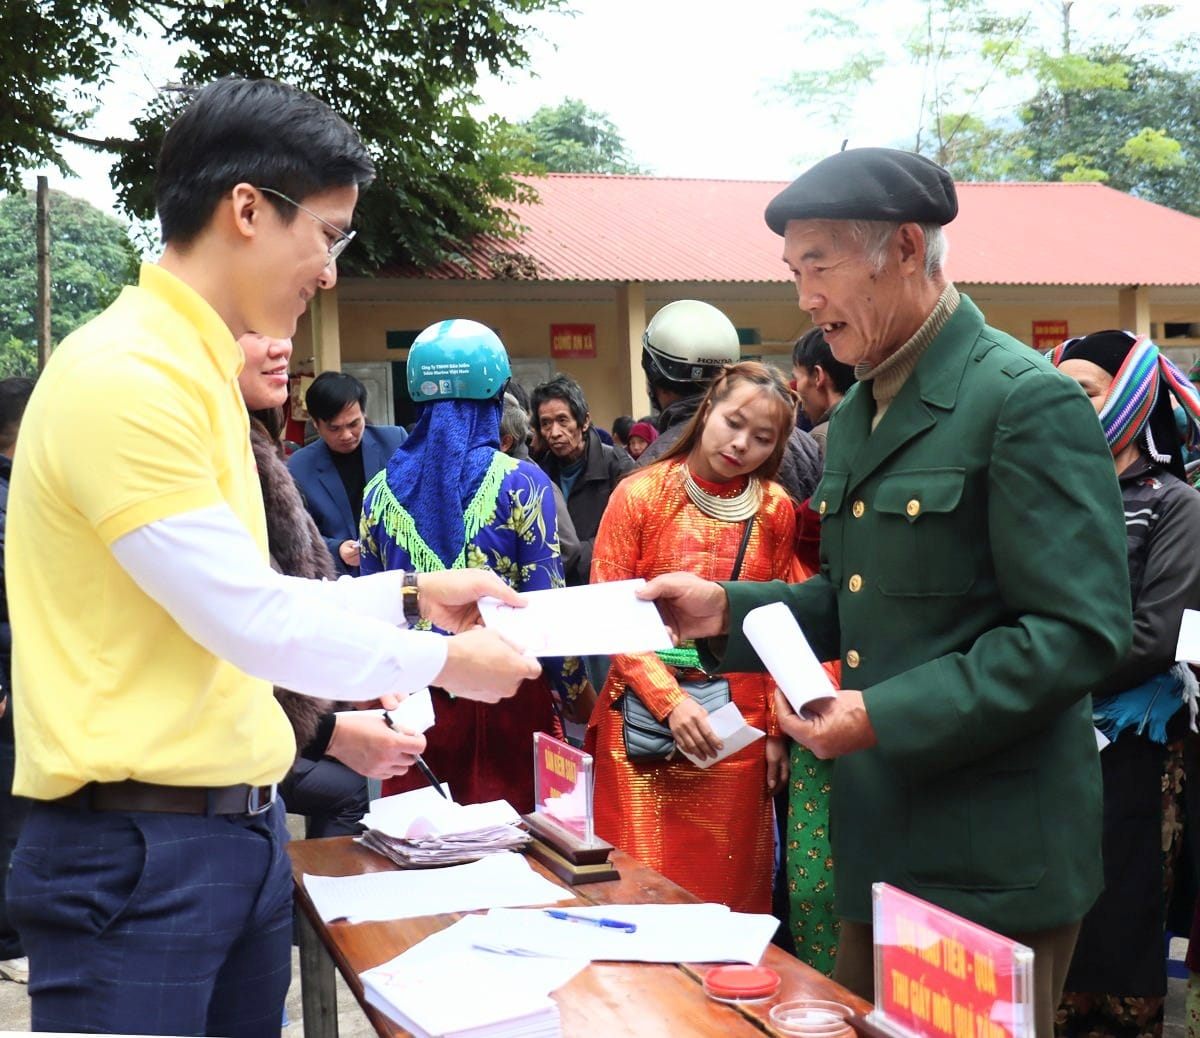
571 917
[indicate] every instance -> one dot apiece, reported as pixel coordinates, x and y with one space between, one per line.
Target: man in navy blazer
332 471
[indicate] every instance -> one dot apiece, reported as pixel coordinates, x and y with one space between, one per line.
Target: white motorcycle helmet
688 342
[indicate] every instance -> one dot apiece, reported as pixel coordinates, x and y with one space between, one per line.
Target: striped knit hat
1139 399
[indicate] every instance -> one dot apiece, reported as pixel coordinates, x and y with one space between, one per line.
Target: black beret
867 184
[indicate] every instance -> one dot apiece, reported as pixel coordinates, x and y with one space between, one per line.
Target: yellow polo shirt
137 418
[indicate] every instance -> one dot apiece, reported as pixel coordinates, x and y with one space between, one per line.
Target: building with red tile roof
598 255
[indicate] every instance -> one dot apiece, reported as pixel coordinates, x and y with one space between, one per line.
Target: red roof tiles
614 228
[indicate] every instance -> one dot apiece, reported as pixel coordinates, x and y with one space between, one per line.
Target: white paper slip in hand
592 620
786 654
731 728
414 714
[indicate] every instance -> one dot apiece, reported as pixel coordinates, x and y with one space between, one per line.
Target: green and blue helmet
457 360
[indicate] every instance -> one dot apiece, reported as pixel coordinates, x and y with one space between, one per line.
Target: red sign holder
939 974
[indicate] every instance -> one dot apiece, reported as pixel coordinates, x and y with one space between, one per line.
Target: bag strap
737 564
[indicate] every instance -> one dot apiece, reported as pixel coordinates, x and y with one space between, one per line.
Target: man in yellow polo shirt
150 884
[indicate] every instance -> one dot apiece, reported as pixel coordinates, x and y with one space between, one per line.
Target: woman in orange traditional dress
711 831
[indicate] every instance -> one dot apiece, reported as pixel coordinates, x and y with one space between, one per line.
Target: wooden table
637 1000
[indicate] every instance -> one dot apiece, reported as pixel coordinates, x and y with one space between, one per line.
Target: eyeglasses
343 239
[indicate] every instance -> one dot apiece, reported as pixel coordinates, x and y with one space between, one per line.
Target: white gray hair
514 421
874 236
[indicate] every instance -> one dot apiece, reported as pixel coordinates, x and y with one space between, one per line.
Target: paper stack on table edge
422 988
422 828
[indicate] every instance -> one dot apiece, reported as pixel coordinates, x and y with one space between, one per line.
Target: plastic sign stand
938 974
562 823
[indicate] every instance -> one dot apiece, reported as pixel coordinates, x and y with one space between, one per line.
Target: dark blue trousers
148 923
12 814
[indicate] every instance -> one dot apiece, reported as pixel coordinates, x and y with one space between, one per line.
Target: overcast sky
689 83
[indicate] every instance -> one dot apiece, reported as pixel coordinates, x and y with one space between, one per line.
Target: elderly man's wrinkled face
863 312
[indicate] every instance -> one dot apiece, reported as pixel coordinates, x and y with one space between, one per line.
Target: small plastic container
812 1018
741 983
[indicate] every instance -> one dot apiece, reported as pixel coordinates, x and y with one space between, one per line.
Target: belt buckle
254 805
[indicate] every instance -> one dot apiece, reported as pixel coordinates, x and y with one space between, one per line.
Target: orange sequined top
652 527
710 831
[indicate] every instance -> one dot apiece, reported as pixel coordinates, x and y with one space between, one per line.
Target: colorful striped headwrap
1134 392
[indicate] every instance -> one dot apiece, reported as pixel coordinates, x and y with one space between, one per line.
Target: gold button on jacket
856 583
858 509
914 507
852 658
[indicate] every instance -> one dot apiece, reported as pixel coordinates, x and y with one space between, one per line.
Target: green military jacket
974 585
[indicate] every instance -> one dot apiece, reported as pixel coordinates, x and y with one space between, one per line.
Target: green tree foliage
572 138
1143 138
91 258
402 71
1124 111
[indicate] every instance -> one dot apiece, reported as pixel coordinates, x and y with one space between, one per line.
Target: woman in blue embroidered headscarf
450 498
1117 980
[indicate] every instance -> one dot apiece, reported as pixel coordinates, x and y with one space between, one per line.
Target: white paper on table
428 1001
424 812
665 933
1187 648
786 654
593 619
498 880
541 973
414 714
423 987
731 728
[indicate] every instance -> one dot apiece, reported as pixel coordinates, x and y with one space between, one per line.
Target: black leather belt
131 795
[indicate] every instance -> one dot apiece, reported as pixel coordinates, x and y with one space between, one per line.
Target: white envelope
591 620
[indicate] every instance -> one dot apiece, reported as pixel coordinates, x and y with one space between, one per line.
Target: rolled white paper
786 654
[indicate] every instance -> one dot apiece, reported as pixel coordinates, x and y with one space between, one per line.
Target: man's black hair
560 388
621 426
255 131
331 393
14 395
811 351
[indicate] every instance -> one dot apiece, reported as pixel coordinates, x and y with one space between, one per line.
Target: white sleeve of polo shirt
322 638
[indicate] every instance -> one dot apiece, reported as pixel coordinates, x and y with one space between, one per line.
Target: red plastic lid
741 982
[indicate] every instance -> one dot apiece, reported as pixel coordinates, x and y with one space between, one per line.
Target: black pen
422 767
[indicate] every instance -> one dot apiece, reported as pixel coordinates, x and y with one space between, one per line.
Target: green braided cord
685 658
398 524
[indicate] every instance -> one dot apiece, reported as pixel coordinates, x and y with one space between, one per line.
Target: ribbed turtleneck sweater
889 375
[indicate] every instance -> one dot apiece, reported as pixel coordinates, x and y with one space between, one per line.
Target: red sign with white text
1048 334
938 974
572 340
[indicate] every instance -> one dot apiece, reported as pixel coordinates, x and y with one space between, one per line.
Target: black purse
646 737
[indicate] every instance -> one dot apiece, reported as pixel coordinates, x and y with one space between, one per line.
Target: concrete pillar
327 341
1133 309
631 323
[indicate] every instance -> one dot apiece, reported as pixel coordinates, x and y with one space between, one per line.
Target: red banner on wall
572 340
1048 334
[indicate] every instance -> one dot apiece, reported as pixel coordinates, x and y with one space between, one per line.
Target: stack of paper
422 989
422 828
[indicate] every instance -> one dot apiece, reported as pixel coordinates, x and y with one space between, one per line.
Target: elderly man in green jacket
973 581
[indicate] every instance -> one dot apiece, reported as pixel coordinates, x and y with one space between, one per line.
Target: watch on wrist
410 596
